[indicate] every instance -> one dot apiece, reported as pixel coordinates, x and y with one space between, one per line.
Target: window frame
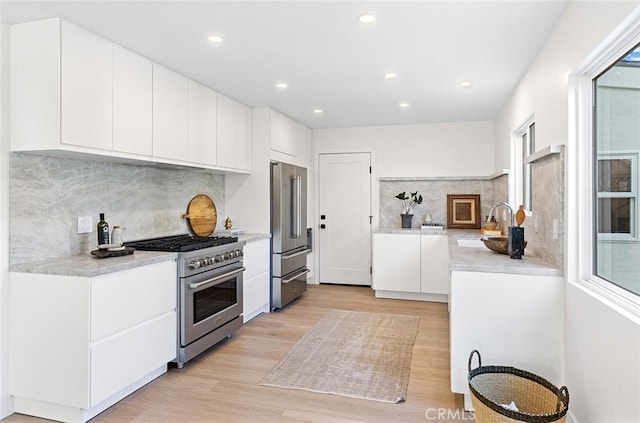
580 239
523 142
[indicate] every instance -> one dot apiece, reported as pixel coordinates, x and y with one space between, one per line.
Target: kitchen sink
470 242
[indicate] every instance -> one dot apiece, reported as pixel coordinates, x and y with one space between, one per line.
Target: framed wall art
463 211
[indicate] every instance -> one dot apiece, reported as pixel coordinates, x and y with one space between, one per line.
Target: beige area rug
353 354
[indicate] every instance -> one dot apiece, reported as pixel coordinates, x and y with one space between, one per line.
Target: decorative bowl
499 244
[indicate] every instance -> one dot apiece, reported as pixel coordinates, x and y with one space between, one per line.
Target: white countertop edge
88 266
545 152
253 237
409 231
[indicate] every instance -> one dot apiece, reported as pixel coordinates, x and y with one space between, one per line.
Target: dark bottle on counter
103 231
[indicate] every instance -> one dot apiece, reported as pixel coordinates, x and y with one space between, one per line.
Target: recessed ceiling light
367 18
403 105
465 84
318 111
215 39
281 85
390 75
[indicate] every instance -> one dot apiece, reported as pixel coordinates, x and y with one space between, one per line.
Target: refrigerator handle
296 210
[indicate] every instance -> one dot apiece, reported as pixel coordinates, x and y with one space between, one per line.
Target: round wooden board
202 215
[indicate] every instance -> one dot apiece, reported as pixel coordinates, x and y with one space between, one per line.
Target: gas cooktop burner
180 243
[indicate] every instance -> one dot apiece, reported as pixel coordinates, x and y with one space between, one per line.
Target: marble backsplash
434 198
547 204
49 193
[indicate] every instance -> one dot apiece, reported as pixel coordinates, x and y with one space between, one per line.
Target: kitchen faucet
498 205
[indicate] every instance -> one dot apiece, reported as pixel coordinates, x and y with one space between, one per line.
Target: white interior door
344 233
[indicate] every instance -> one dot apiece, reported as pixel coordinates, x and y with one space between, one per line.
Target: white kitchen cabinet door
284 133
234 134
226 130
128 356
396 262
257 280
35 85
170 114
132 102
243 137
202 124
86 94
112 312
303 146
434 269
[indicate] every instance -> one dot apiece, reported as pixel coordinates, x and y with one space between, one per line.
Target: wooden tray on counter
104 253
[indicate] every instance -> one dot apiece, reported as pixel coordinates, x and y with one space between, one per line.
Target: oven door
209 300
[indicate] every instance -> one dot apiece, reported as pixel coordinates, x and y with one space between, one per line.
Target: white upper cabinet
234 134
170 114
75 92
202 124
86 95
284 134
61 88
132 102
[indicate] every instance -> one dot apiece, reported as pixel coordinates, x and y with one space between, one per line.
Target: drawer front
119 361
123 299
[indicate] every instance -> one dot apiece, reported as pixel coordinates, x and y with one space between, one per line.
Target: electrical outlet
85 224
555 229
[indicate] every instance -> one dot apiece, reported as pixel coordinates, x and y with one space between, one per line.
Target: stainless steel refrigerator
288 233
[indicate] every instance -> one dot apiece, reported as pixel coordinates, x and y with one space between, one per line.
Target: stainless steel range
209 289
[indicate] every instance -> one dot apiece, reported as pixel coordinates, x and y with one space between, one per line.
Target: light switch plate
85 224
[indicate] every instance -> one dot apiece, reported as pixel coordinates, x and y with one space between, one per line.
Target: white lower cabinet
257 282
512 319
411 266
396 263
78 345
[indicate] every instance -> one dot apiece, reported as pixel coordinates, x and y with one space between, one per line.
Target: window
525 139
616 147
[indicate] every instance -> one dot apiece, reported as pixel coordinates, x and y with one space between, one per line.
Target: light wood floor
222 385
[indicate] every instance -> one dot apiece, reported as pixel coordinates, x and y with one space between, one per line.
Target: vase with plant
408 203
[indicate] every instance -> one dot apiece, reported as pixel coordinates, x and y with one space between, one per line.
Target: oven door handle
287 257
296 276
217 278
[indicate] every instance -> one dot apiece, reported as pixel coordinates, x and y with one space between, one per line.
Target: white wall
6 404
543 91
602 342
442 149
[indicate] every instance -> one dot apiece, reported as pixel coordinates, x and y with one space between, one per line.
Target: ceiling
328 58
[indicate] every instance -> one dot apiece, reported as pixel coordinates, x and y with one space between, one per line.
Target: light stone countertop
409 231
88 266
481 259
253 237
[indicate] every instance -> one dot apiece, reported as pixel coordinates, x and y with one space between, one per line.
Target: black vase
406 220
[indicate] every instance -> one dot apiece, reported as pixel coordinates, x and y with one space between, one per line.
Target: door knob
323 226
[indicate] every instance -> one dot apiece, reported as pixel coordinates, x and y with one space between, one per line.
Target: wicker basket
537 399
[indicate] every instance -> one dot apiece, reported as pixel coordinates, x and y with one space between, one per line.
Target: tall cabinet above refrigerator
288 233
